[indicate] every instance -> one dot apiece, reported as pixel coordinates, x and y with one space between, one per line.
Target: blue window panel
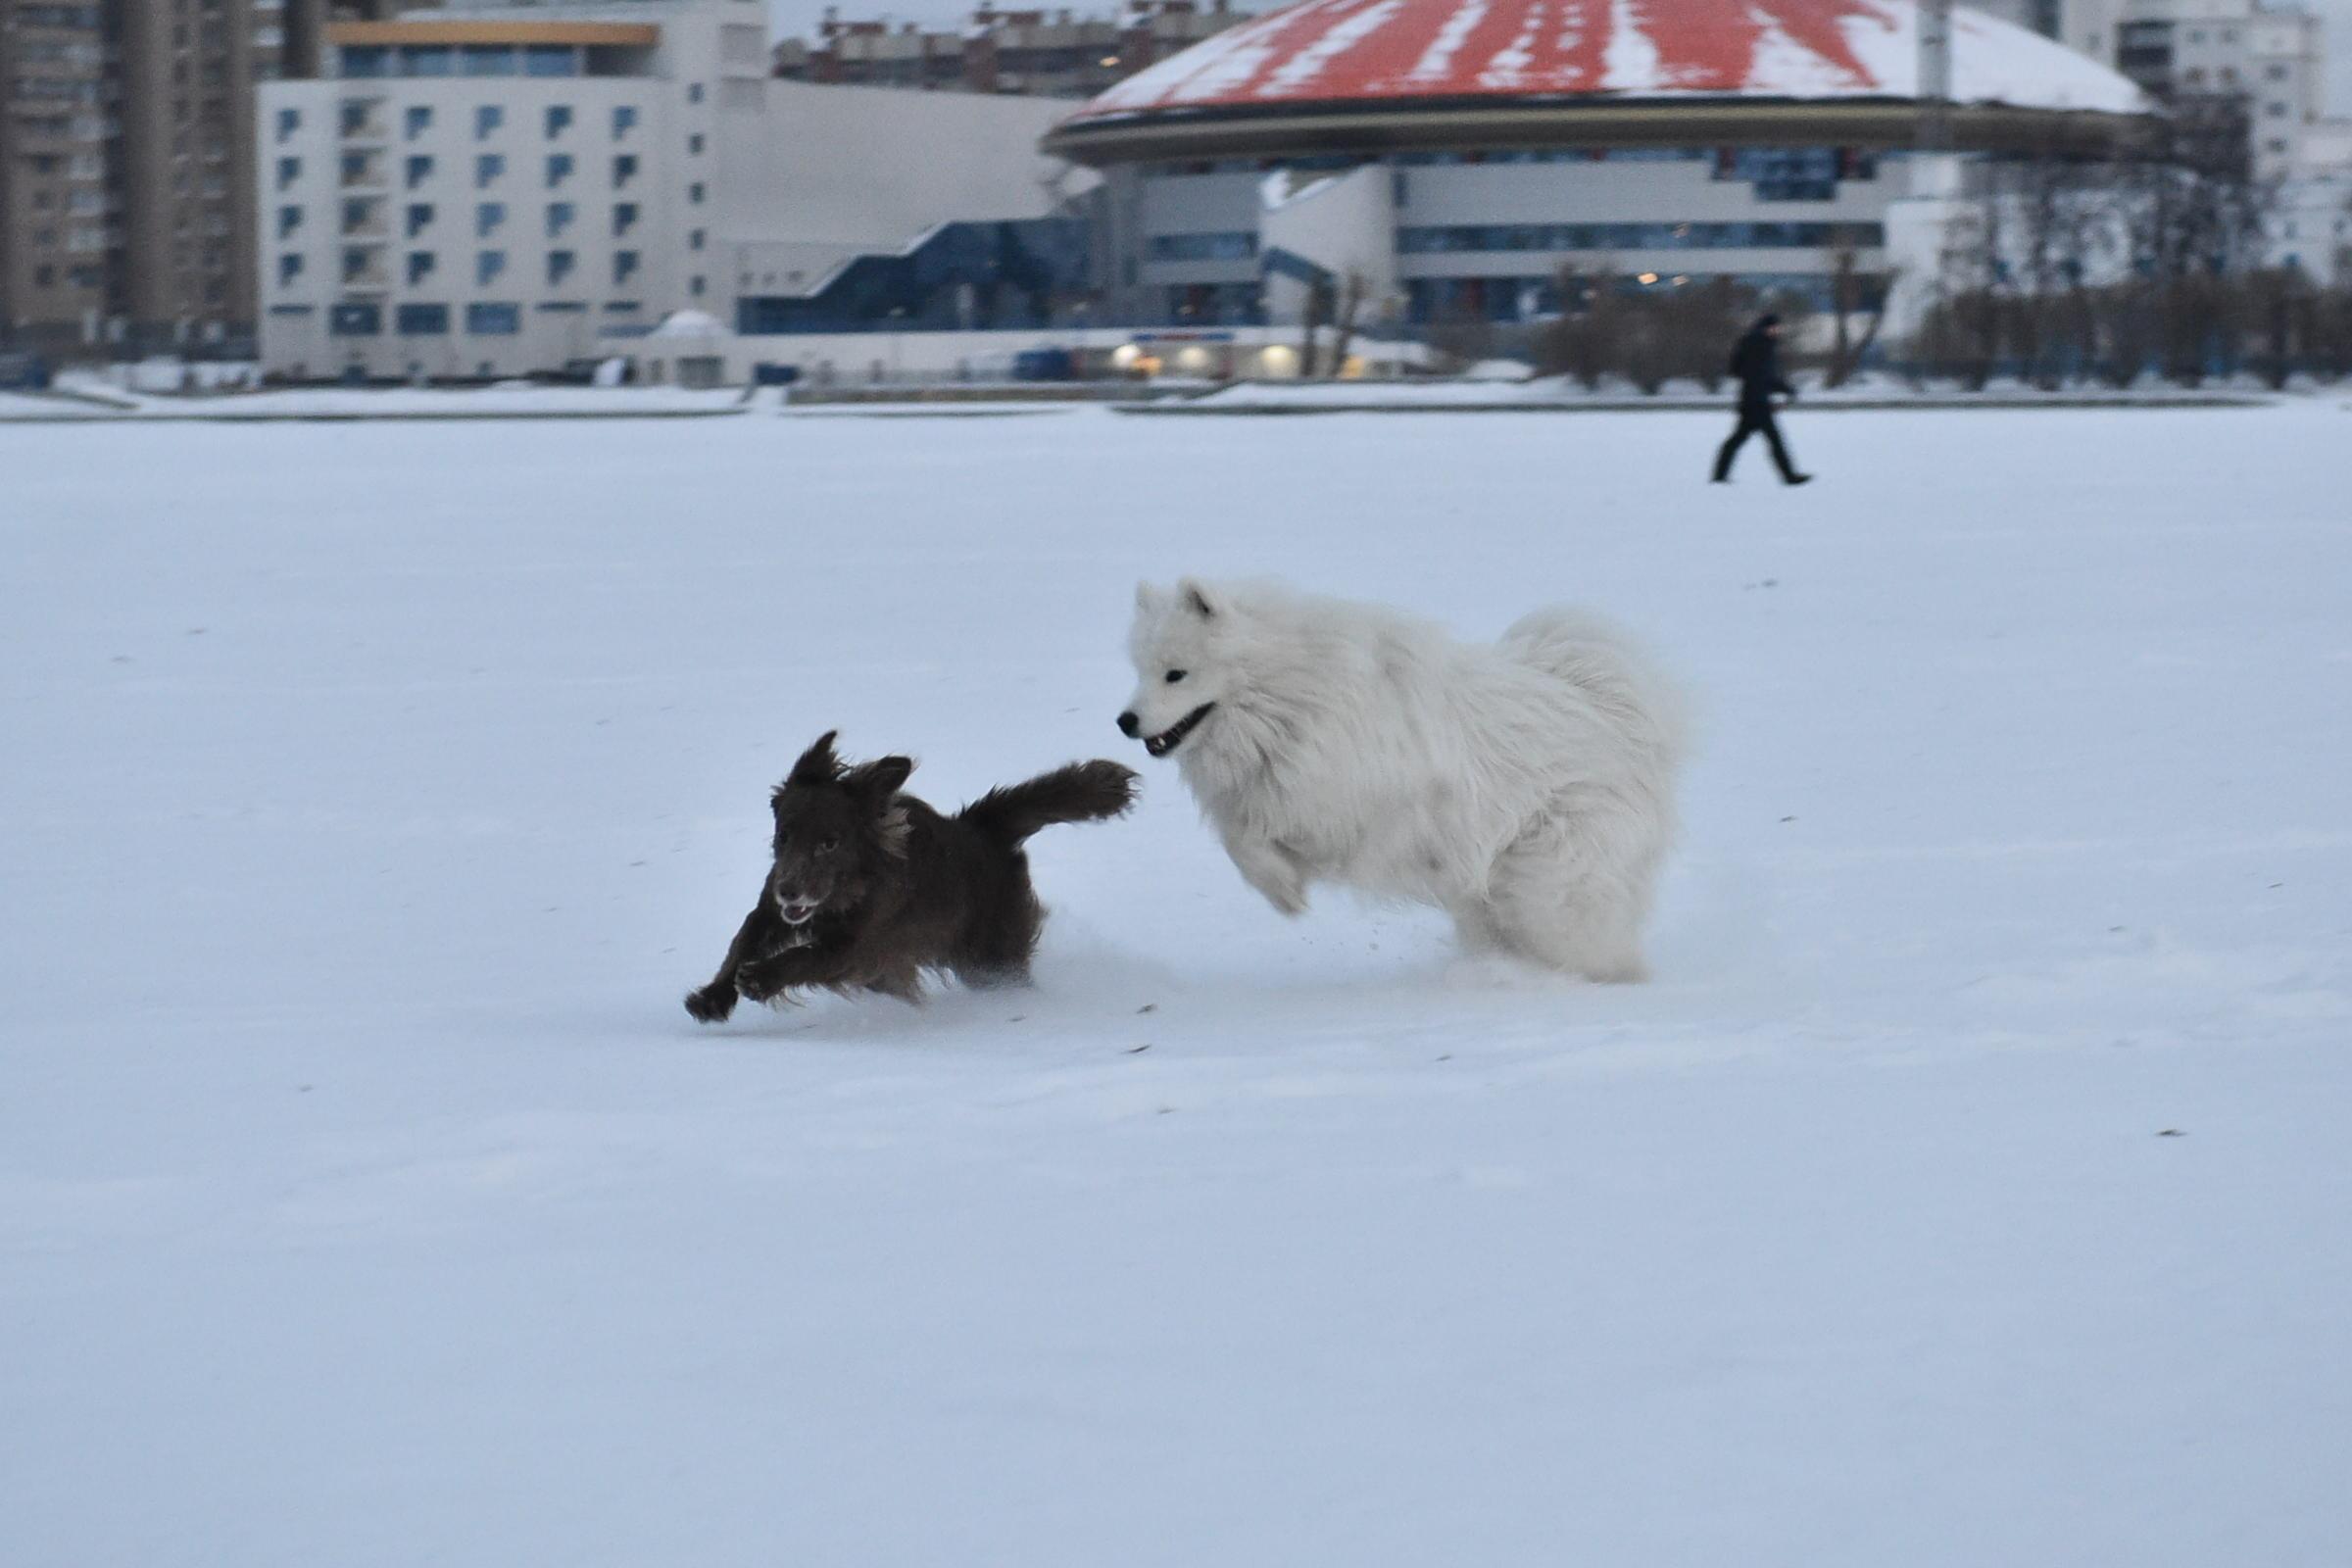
490 318
488 170
488 218
559 170
421 320
488 267
289 219
489 59
289 120
624 120
420 169
624 169
487 120
365 62
559 219
289 169
559 120
416 120
419 218
356 321
551 60
1237 246
289 267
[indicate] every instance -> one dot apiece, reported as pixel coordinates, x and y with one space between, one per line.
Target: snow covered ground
1970 1187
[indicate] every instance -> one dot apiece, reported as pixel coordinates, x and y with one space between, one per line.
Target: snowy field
1973 1186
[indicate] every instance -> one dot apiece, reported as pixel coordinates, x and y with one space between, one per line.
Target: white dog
1527 788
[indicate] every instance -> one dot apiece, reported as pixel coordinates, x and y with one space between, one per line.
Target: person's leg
1730 447
1780 448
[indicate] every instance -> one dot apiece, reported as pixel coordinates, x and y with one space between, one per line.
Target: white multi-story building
493 190
2272 57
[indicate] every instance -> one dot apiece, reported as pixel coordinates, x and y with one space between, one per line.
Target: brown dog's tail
1083 792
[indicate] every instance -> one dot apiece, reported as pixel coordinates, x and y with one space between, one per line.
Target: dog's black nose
1128 725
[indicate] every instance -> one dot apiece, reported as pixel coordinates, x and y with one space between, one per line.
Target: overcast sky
800 16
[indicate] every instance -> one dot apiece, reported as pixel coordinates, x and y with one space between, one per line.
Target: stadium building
1452 158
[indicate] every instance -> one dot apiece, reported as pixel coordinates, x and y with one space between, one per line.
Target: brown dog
871 887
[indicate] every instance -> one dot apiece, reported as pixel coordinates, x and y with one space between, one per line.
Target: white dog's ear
1196 597
1147 597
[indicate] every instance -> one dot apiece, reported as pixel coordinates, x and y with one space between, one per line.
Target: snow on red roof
1337 51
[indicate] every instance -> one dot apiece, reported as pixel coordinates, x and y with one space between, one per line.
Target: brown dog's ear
881 778
817 765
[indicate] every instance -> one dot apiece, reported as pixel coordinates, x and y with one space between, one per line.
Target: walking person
1756 361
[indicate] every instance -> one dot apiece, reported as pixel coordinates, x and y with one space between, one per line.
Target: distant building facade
502 190
1050 53
2271 59
126 213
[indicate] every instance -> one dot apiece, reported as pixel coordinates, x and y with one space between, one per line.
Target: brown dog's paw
712 1004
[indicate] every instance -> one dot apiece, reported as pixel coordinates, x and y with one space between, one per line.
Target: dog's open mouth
1167 740
797 914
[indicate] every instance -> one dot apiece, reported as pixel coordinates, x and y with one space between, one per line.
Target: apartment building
2271 58
126 214
497 190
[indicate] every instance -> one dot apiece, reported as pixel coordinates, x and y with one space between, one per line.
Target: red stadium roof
1368 52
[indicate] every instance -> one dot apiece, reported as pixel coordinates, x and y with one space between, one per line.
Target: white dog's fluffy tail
1602 660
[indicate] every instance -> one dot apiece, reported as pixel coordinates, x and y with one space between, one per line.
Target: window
559 170
624 169
624 217
488 59
289 219
421 320
559 120
559 219
694 144
420 169
289 120
694 92
624 120
694 240
289 267
488 267
488 170
695 287
355 116
420 267
359 214
624 267
358 266
488 320
488 218
416 120
559 264
419 218
365 62
358 168
428 59
694 193
488 119
356 321
289 169
551 60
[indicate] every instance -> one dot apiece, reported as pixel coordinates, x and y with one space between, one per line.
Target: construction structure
1050 53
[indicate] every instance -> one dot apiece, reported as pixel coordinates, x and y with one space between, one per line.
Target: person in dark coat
1756 361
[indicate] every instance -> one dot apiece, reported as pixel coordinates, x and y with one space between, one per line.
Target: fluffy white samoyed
1526 788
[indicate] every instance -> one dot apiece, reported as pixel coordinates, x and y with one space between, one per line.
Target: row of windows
360 168
484 318
488 121
1638 238
1851 162
1236 246
364 214
360 266
371 62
